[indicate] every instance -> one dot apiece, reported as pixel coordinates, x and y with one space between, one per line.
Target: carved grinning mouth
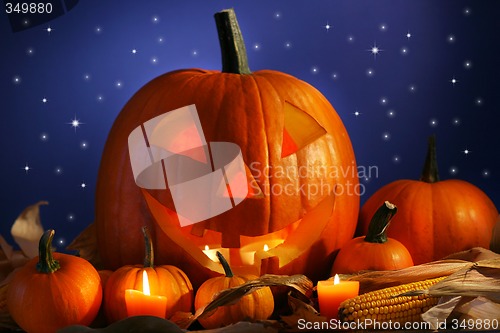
283 246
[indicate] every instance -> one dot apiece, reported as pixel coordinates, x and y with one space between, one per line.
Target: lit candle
332 293
143 303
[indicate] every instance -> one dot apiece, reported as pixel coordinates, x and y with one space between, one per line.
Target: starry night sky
395 71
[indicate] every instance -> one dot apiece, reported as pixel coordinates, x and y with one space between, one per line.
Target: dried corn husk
370 281
480 279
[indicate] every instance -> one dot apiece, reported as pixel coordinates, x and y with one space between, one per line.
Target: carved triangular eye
299 130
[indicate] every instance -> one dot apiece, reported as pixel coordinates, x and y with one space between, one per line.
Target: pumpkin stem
225 265
430 172
46 263
149 255
379 223
234 54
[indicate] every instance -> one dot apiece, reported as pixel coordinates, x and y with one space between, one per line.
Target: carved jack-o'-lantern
301 205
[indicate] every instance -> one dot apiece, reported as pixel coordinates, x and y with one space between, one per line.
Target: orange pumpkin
436 218
166 280
375 251
258 305
54 290
297 153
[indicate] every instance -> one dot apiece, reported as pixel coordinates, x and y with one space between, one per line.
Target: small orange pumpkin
165 280
54 290
437 218
375 251
259 305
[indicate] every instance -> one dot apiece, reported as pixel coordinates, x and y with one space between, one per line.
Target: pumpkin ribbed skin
258 305
46 302
246 109
164 280
435 219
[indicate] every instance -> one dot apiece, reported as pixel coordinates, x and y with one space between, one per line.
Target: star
467 64
327 26
408 35
375 50
453 170
44 100
486 173
451 39
404 51
256 46
30 51
412 88
386 136
86 77
160 40
84 145
467 11
314 70
454 81
58 170
433 122
98 30
396 159
49 29
83 185
16 79
134 51
75 123
119 84
27 168
154 60
456 121
350 38
288 45
384 100
44 137
357 113
466 151
71 217
383 27
194 53
335 76
100 98
370 72
391 113
479 101
155 19
277 15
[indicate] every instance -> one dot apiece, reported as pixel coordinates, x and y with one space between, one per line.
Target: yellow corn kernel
385 304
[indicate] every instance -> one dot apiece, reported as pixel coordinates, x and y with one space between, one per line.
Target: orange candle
143 303
332 293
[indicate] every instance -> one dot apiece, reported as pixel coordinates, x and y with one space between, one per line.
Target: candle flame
207 248
336 279
145 284
266 248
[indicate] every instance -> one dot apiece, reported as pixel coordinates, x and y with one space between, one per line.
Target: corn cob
385 305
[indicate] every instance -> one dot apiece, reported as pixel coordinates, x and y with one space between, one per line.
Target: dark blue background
86 70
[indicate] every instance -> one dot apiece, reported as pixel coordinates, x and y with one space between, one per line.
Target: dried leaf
86 245
27 229
230 296
300 310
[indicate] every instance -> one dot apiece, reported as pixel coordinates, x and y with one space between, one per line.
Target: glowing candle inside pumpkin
332 293
143 303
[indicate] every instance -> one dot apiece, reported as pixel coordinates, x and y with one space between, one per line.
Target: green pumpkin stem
234 54
377 230
46 263
149 255
430 172
225 265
